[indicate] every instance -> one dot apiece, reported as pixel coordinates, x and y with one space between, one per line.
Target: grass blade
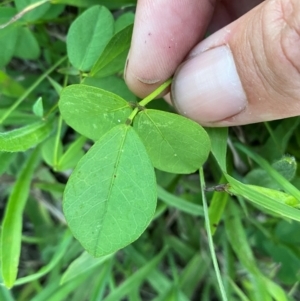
275 175
210 240
136 279
262 199
179 203
59 253
12 222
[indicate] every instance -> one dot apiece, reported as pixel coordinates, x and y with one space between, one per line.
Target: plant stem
30 89
209 235
155 93
149 98
23 12
131 116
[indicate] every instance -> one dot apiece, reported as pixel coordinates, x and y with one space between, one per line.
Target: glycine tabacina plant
110 198
111 195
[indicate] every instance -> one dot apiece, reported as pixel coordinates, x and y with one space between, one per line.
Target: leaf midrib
113 179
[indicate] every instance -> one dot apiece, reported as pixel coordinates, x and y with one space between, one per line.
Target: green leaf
8 35
8 40
123 21
10 87
54 11
112 84
88 35
36 13
275 290
113 57
286 166
92 111
73 154
57 87
27 46
174 143
288 259
22 139
49 149
110 197
12 223
38 107
18 118
5 294
218 138
85 262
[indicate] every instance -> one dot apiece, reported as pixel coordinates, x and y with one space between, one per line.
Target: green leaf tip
88 36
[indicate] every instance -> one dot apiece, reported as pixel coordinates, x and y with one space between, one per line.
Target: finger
164 32
247 72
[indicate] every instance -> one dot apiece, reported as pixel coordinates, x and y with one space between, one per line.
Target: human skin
246 71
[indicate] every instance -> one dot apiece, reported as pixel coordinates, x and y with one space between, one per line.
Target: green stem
155 93
132 115
30 89
210 240
23 12
149 98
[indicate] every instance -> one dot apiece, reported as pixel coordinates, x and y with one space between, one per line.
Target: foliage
88 170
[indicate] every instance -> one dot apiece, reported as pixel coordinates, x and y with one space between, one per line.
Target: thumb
247 72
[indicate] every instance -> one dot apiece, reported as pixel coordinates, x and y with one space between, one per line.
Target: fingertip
159 43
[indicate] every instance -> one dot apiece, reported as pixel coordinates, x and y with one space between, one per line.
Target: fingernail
207 88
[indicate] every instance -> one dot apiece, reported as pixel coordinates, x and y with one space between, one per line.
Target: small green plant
111 195
73 136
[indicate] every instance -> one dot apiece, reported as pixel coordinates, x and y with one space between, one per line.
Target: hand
248 71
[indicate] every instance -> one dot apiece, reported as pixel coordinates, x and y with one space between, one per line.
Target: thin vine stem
210 239
26 10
